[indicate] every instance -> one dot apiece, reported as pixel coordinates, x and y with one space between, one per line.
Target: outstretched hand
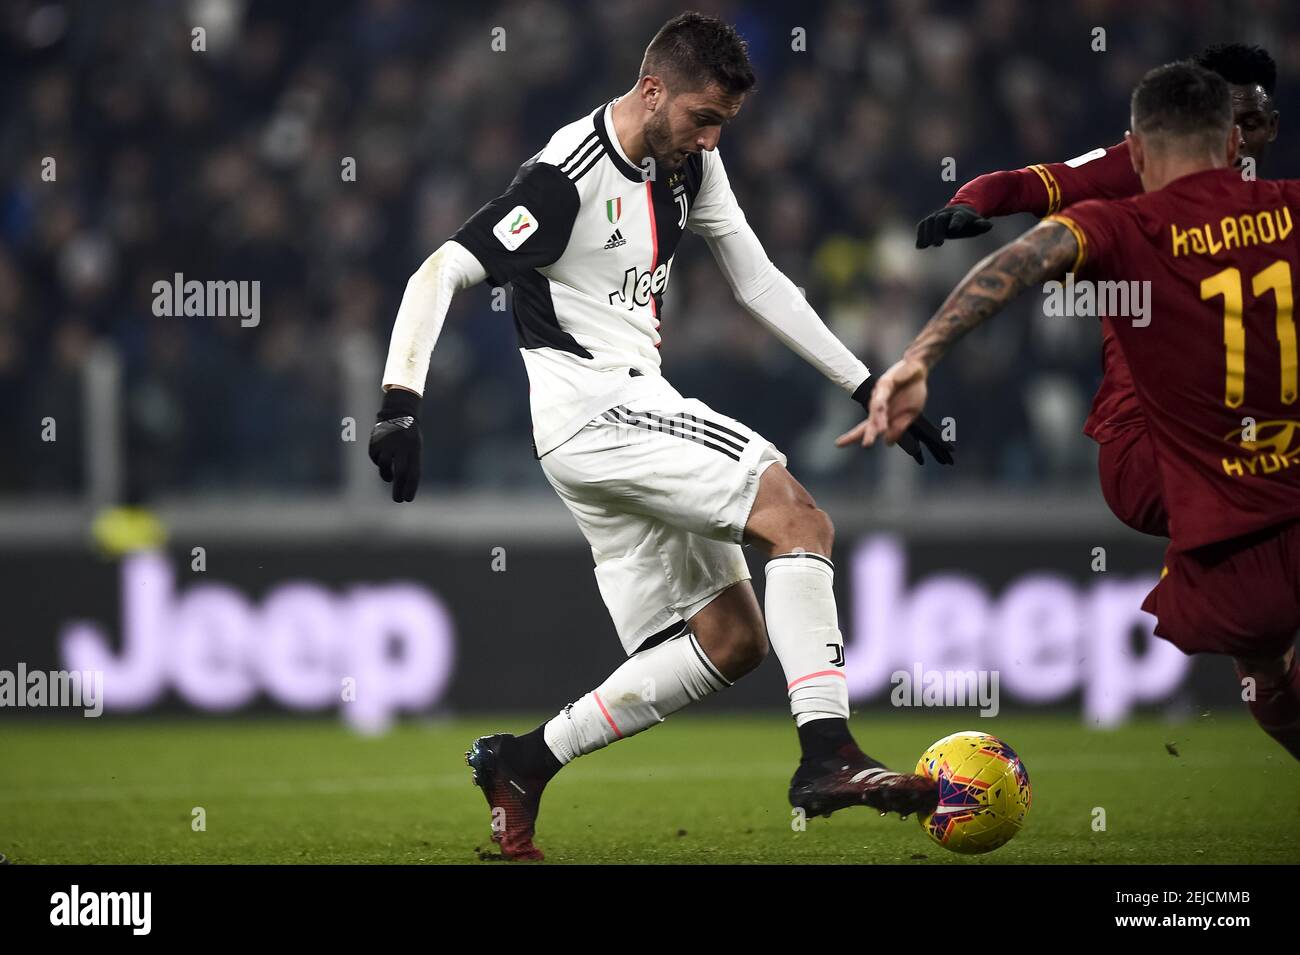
896 402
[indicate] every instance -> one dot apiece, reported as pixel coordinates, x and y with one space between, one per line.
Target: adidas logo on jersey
616 240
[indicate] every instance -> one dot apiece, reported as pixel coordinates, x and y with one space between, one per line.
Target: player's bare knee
808 529
825 530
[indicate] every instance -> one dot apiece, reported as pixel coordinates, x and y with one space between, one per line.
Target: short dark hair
693 50
1241 64
1182 100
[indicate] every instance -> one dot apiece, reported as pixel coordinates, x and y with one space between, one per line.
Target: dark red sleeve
1004 193
1043 189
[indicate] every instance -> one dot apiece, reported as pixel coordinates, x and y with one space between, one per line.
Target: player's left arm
769 295
1044 252
1042 189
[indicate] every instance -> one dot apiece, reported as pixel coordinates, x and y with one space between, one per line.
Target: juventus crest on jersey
587 239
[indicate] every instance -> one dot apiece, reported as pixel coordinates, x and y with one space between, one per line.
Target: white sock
639 694
803 628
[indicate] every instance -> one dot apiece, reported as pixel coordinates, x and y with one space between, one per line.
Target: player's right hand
914 433
897 401
395 443
950 222
893 408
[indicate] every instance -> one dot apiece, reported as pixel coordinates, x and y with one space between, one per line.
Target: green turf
704 789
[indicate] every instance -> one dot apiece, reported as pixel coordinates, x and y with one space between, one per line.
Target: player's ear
1234 143
1135 154
652 91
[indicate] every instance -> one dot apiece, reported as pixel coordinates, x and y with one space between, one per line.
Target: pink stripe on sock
608 719
812 676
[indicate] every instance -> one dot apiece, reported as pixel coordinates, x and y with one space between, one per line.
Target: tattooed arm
1044 252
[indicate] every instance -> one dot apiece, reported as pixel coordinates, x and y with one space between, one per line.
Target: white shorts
661 487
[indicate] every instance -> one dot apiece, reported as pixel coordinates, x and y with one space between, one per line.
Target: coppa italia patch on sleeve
516 228
1087 157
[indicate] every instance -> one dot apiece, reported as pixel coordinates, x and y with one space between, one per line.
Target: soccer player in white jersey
664 489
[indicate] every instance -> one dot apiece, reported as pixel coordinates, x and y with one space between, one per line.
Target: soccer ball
983 792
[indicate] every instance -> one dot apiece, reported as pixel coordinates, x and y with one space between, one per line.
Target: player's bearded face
660 142
687 123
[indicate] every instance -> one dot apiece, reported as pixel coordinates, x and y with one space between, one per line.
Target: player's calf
731 633
1276 700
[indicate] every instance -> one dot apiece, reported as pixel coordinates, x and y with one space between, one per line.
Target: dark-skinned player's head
694 77
1181 116
1252 74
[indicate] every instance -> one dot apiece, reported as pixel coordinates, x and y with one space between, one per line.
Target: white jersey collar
605 129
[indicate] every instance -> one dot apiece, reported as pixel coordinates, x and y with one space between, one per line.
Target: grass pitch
703 789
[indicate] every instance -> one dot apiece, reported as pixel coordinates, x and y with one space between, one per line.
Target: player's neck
629 126
1161 172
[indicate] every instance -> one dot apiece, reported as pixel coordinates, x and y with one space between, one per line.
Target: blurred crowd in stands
226 164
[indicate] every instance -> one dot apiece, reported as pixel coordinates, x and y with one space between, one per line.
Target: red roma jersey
1214 361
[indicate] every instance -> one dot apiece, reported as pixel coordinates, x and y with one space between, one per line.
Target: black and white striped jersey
587 239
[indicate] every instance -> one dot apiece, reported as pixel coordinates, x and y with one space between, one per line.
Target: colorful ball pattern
984 792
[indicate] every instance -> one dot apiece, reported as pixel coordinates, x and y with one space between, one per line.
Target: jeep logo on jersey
638 286
515 228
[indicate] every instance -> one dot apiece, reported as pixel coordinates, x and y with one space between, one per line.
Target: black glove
395 443
919 432
950 222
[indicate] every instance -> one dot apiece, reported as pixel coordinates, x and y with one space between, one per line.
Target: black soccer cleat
514 799
822 787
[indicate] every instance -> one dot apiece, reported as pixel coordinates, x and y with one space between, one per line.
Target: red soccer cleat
514 799
855 779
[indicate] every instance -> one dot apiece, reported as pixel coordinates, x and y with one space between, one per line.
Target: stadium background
225 164
265 567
